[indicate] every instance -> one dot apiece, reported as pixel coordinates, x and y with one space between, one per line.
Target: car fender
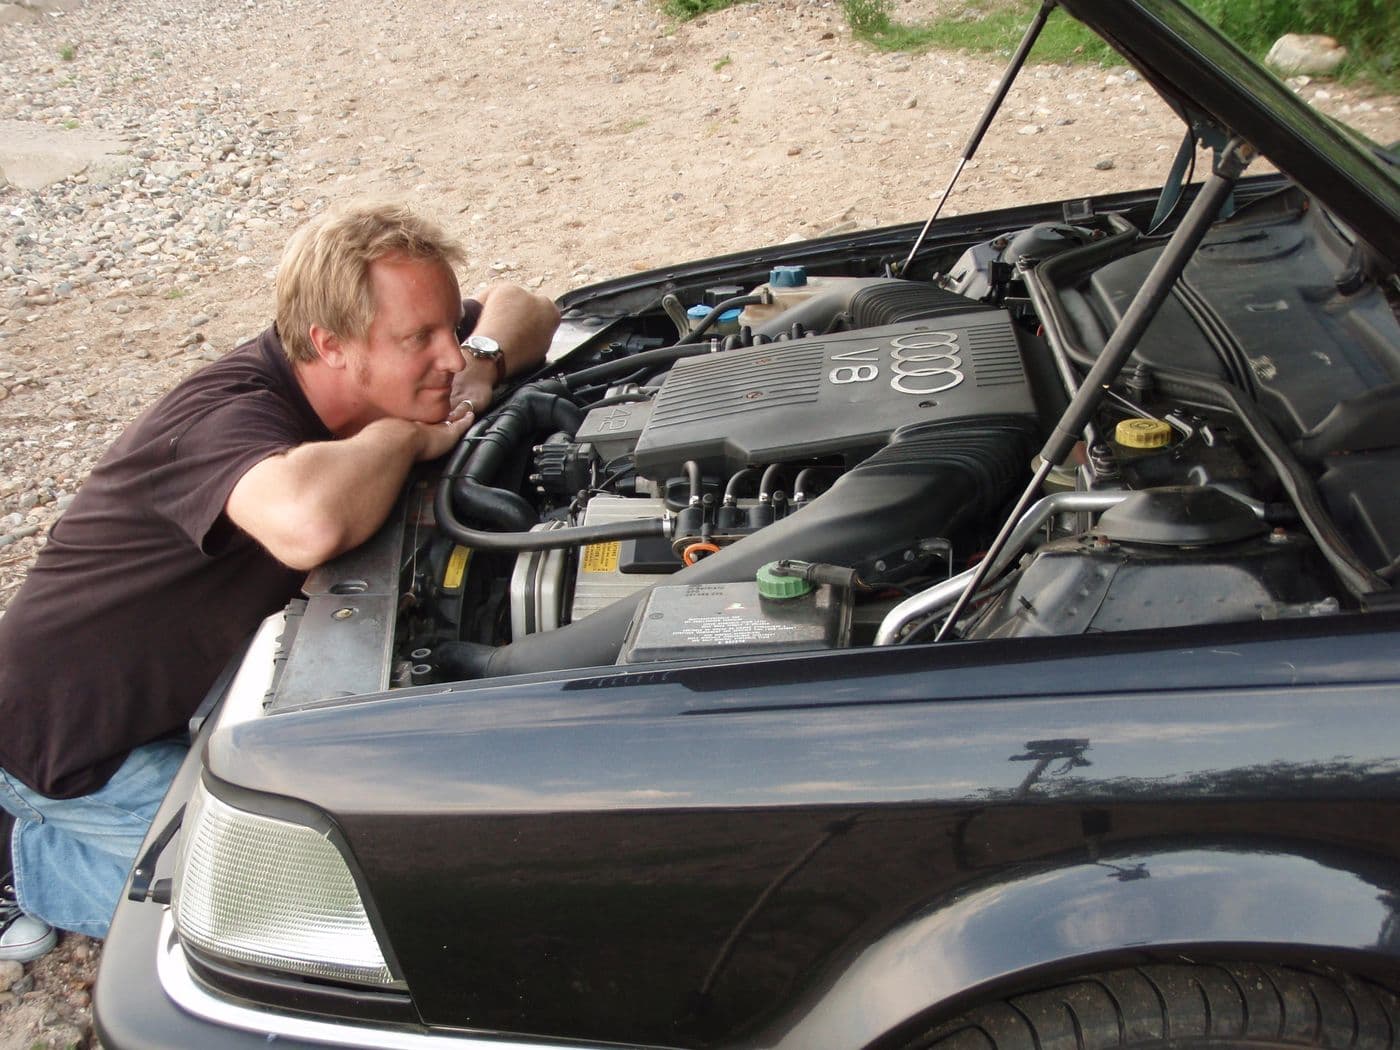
1240 903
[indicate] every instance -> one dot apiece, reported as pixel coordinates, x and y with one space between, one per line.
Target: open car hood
1207 77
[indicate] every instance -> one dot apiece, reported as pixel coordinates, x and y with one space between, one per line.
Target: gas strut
1149 298
998 97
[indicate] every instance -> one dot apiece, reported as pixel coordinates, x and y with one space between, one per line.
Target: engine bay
723 469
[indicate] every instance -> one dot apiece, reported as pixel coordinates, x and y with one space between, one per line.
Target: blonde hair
323 277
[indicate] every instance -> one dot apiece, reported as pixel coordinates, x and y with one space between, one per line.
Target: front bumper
147 999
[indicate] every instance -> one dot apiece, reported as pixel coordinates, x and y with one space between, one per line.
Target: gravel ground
594 138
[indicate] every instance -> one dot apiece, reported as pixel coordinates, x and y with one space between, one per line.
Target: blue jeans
72 855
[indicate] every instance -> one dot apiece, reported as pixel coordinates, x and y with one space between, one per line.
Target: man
204 517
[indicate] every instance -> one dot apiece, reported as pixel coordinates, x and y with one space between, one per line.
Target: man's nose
450 356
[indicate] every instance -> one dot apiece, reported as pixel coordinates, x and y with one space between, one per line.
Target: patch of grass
1368 29
694 8
68 52
70 124
175 293
988 25
725 61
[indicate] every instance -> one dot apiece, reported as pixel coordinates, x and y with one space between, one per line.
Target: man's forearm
522 321
320 499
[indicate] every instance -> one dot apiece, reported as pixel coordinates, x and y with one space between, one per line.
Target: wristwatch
484 348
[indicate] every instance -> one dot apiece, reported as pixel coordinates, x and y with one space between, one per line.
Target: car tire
1245 1005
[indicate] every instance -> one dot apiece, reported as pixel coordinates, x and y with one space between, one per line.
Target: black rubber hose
480 454
528 411
646 361
621 399
731 490
770 479
500 508
552 539
692 474
804 481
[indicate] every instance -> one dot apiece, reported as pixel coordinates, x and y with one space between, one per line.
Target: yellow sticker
456 569
602 557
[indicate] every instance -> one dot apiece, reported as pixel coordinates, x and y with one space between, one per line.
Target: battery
721 620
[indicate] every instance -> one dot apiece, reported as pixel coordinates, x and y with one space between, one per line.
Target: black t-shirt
145 588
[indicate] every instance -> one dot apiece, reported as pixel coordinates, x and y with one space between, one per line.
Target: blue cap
698 312
787 276
730 316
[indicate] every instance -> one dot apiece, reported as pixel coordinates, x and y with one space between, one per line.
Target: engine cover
832 396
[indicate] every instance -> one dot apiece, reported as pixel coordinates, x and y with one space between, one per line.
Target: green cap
772 585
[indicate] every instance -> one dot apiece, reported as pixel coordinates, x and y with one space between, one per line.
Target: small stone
525 160
10 972
199 320
794 151
912 102
1029 129
25 984
1305 54
1105 163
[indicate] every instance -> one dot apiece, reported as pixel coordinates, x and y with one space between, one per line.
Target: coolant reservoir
790 286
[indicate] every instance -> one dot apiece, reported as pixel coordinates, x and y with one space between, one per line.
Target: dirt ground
566 141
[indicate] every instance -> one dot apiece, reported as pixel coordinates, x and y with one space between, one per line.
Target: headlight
271 893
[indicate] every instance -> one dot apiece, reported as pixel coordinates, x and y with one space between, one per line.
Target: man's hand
310 503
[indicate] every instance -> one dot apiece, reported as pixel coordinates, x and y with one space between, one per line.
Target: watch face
482 346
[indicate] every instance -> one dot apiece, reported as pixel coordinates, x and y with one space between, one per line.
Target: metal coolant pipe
930 601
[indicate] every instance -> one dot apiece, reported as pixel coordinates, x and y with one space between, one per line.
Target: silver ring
471 405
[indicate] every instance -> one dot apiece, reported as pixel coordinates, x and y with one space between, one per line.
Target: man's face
404 365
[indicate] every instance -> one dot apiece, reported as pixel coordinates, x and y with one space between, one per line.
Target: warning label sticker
602 557
456 569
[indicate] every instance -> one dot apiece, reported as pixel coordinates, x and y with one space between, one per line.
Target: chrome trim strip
175 979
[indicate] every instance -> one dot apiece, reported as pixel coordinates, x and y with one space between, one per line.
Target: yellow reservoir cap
1143 433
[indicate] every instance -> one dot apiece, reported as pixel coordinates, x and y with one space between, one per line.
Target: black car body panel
768 836
570 815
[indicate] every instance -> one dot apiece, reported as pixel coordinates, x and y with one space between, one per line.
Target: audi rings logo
922 363
928 363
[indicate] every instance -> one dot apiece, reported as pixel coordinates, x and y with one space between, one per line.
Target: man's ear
329 347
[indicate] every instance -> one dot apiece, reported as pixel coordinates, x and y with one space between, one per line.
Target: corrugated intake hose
926 482
529 411
476 460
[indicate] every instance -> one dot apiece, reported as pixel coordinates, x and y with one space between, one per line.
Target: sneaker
22 937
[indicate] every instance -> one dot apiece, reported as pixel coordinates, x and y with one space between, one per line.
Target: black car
976 634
